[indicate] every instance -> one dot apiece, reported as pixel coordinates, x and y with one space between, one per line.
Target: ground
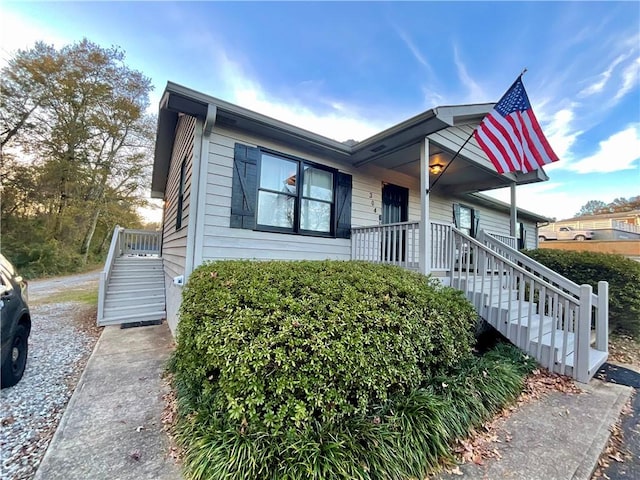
621 457
63 334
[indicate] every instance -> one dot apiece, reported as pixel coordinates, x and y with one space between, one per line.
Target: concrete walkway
111 428
557 438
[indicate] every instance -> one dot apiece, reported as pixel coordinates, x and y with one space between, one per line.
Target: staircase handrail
526 273
537 268
105 275
583 307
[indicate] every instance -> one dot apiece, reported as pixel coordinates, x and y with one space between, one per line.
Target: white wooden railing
558 309
599 301
395 243
440 246
125 242
506 239
398 244
540 311
140 242
105 275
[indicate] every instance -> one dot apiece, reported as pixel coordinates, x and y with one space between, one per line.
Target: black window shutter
343 205
456 215
476 223
244 189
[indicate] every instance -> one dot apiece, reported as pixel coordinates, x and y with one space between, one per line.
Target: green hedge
409 436
589 268
275 346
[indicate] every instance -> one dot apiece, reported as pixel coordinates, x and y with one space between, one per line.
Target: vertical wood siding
174 242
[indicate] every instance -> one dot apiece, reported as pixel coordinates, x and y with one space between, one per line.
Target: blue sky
349 70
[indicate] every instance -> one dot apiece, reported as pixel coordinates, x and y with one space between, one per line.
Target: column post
425 227
513 221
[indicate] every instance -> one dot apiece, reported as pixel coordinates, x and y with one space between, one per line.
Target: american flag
511 136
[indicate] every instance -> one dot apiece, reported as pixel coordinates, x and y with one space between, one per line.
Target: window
294 195
466 219
279 193
183 167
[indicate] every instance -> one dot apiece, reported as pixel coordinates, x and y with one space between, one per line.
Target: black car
16 324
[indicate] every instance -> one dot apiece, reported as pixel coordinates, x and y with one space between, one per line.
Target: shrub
35 260
407 437
589 268
276 346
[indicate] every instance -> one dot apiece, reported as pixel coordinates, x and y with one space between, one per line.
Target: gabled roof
407 134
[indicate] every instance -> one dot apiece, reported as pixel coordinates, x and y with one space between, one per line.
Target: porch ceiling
470 172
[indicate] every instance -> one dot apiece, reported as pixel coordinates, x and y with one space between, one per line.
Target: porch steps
135 292
519 321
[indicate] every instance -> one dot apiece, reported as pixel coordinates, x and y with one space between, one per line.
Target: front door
395 204
395 209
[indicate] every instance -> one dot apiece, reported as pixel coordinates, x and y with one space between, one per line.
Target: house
238 184
607 226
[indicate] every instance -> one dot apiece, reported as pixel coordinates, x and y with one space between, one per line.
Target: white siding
174 241
223 242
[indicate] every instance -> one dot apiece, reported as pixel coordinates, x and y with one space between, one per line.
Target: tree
621 204
591 208
78 115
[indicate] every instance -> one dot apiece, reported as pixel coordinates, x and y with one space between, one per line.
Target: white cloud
603 78
561 135
554 199
618 152
476 93
413 49
630 78
342 122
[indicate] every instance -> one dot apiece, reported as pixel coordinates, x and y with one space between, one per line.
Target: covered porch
447 168
561 324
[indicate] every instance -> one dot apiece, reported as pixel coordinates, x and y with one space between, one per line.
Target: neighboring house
606 226
239 185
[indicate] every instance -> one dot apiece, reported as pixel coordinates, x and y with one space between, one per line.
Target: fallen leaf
456 471
617 457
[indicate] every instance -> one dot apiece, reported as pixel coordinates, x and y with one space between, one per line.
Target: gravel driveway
62 338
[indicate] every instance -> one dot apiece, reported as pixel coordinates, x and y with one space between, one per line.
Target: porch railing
599 301
540 311
398 244
125 242
114 252
555 313
506 239
441 246
140 242
395 243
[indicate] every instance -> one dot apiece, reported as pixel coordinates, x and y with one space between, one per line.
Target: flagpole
450 162
524 70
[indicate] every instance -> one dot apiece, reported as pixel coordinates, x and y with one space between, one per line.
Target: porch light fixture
436 168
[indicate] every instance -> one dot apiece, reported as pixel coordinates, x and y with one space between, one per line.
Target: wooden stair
135 291
522 323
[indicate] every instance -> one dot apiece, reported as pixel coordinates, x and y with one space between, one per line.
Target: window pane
465 217
315 216
275 210
278 174
318 184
